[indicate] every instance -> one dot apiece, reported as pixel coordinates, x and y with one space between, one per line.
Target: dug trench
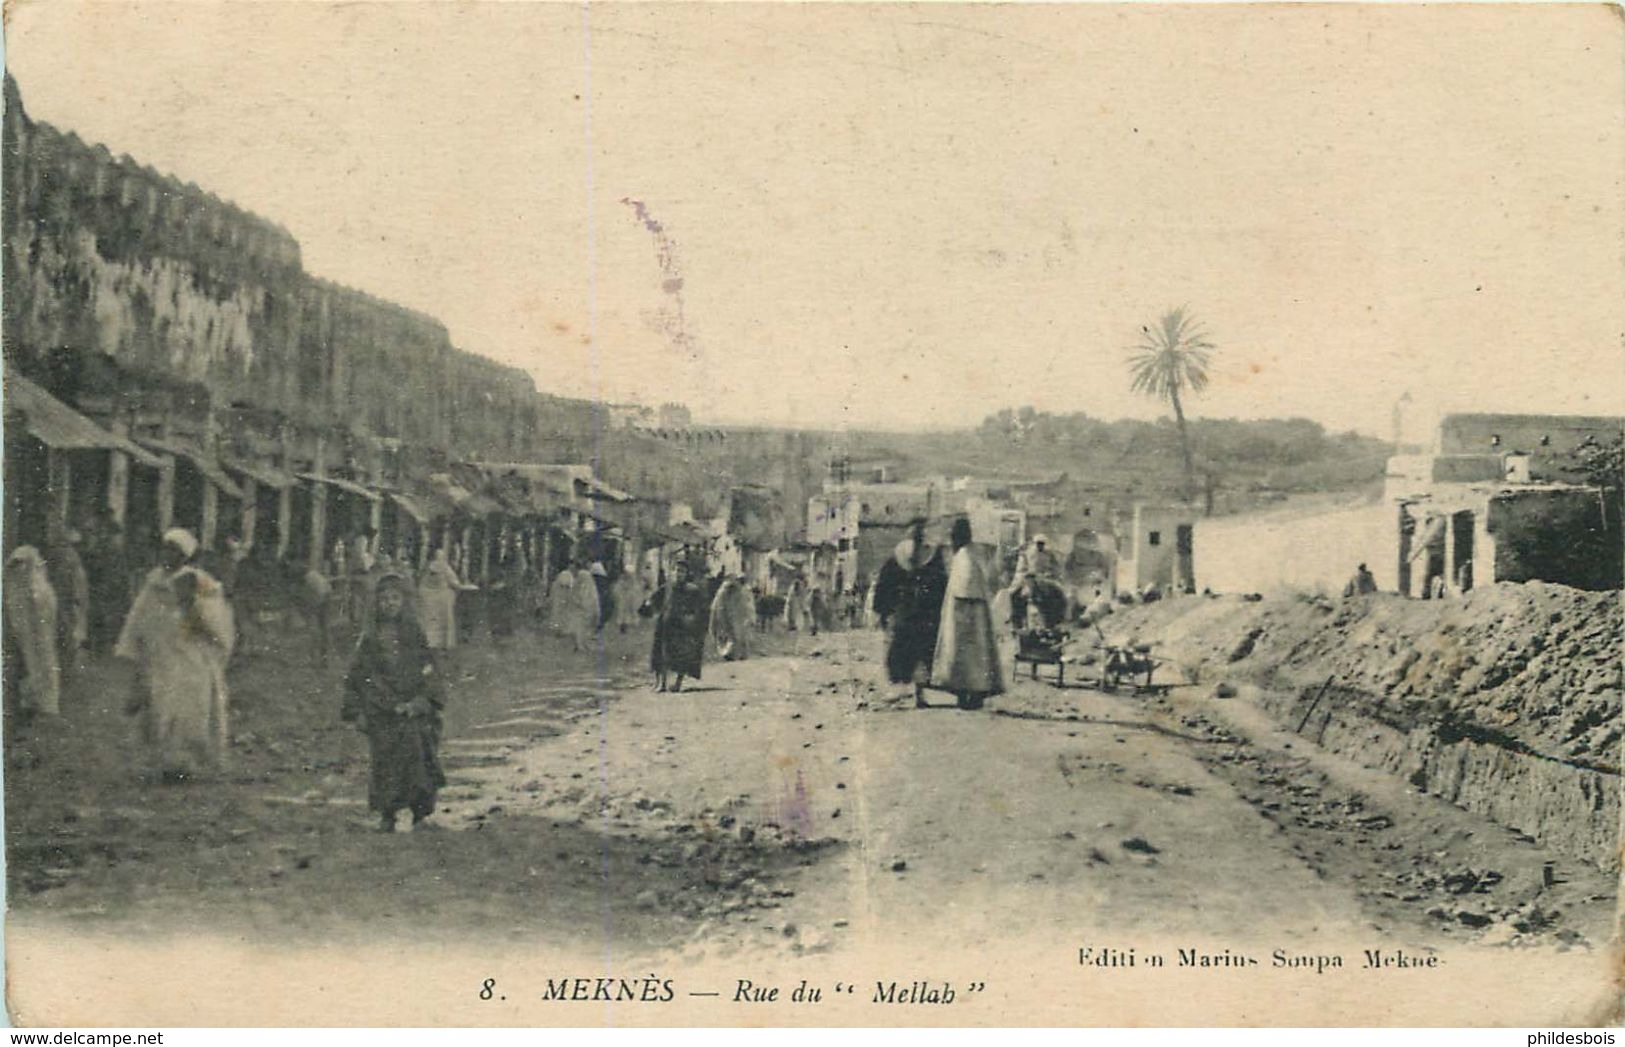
1398 850
1505 702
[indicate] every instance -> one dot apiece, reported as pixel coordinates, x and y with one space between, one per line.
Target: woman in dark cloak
682 614
908 603
395 693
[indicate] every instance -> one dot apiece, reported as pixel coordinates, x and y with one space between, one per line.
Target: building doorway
1461 552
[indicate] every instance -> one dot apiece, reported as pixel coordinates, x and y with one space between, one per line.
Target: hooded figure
967 657
795 600
394 692
626 597
31 635
180 634
437 601
587 612
908 604
731 612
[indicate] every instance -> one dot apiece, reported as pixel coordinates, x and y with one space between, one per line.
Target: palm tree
1172 358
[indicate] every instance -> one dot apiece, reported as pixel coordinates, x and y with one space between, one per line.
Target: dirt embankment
1505 701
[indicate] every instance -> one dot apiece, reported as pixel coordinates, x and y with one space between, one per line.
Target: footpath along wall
1506 702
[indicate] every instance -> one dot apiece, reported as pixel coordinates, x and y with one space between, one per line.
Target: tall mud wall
114 271
105 257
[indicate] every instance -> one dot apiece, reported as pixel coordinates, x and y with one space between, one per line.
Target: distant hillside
1250 463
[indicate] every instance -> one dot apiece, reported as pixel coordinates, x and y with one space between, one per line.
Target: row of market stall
66 471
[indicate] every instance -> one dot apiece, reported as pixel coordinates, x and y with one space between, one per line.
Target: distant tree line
1271 442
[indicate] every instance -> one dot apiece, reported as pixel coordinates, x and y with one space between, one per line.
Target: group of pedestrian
178 636
60 601
180 629
180 632
938 618
576 607
809 605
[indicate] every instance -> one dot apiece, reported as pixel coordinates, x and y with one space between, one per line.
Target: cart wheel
1035 670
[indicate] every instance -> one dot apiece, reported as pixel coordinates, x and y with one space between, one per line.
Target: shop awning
480 505
685 533
460 498
601 491
205 464
55 424
410 506
263 475
348 486
600 522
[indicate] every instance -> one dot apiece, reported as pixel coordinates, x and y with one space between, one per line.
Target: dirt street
788 807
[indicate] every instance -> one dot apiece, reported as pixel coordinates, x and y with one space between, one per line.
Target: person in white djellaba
179 634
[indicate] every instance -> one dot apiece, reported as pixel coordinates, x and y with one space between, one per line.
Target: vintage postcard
557 514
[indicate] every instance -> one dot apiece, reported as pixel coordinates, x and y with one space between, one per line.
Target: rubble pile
1536 664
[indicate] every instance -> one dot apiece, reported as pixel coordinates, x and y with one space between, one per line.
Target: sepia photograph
812 514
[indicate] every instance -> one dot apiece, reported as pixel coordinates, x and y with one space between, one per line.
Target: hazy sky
913 215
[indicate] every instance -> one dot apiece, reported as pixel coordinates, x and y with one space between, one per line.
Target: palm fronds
1172 356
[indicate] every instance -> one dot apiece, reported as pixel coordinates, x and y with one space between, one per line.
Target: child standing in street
394 692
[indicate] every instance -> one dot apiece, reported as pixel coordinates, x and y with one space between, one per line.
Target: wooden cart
1127 662
1035 647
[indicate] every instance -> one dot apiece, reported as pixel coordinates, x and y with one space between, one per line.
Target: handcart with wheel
1035 647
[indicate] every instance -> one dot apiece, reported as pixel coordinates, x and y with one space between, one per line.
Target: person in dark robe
395 693
908 603
818 616
107 572
66 570
505 588
682 614
1038 604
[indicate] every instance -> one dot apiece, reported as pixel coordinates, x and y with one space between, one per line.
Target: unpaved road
790 809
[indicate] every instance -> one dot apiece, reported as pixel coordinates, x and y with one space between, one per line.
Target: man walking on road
908 604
